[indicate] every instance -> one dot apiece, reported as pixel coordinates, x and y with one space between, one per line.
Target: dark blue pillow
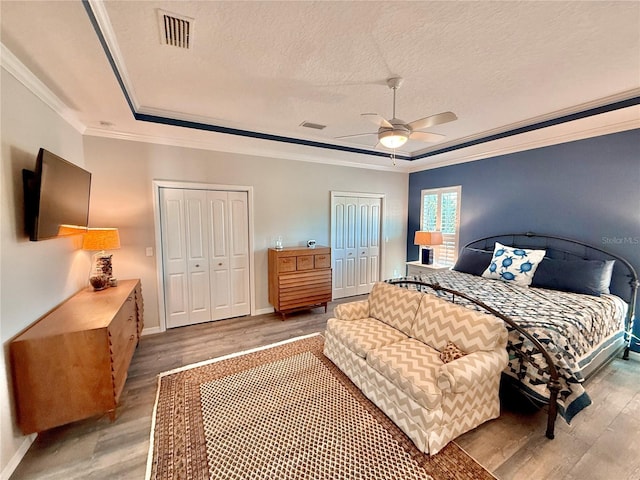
588 277
473 261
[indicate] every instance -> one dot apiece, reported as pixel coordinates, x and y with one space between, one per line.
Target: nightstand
419 268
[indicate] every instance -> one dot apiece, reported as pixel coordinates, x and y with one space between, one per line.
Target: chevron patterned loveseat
392 346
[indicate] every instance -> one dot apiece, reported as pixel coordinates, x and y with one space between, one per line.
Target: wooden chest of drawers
299 278
72 363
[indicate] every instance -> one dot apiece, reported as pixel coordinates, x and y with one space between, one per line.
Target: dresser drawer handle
130 318
132 338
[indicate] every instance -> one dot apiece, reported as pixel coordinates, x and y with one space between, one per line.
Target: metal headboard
624 281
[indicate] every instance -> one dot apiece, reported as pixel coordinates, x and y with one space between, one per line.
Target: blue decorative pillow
473 261
513 264
588 277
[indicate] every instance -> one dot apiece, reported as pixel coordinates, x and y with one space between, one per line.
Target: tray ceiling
263 69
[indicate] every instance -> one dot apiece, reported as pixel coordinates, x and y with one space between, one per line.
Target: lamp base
99 282
102 263
427 256
101 272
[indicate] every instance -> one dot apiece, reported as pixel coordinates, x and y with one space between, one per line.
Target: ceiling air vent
317 126
175 30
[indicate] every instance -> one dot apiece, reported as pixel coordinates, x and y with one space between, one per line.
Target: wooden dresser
72 363
299 278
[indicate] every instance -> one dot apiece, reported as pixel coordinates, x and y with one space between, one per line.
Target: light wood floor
603 442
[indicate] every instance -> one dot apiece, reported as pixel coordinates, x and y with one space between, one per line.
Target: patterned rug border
202 364
398 435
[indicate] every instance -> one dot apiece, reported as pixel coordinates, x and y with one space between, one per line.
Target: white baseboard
151 331
262 311
9 468
154 330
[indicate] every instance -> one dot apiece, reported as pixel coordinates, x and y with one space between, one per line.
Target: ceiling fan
395 132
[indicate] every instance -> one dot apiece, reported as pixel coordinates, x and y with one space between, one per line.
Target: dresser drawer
123 331
322 261
286 264
120 367
304 262
305 288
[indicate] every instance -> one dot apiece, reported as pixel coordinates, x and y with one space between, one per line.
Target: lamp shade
65 230
427 238
101 239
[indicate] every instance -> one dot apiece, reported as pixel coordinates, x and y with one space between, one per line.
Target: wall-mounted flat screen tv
56 197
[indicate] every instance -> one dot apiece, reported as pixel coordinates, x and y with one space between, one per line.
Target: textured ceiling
267 67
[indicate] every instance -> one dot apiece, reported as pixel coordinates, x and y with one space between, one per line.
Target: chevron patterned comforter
571 326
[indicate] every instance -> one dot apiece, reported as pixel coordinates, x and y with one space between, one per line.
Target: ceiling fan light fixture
393 138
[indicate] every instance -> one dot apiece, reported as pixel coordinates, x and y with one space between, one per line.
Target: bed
574 317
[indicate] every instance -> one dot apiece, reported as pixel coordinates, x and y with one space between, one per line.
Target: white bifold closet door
205 249
355 244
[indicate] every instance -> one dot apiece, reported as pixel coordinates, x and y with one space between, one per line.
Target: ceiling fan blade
358 135
426 137
432 120
377 119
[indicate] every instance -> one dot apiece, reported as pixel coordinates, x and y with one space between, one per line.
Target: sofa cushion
439 322
362 336
413 367
394 305
451 352
352 310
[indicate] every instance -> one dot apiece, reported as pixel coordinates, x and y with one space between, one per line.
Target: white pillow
513 264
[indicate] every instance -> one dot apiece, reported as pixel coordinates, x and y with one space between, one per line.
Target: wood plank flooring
603 442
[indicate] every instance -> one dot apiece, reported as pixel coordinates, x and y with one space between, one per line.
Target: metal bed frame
624 283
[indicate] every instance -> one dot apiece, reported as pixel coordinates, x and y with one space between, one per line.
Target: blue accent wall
588 190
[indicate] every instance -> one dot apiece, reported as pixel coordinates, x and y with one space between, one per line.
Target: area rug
283 412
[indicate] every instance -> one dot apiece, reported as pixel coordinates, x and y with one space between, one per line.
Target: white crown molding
611 99
104 24
21 73
523 145
257 147
211 121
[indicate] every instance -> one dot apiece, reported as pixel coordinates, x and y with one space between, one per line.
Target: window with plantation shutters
440 211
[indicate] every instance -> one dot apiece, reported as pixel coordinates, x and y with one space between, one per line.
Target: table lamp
426 239
101 239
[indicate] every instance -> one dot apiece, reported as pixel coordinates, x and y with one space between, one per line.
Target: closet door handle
197 265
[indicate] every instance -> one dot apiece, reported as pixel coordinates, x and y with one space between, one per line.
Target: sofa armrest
352 310
465 372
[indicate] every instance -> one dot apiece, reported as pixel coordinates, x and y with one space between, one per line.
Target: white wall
34 276
291 199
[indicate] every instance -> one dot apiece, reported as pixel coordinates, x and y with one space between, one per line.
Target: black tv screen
57 197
